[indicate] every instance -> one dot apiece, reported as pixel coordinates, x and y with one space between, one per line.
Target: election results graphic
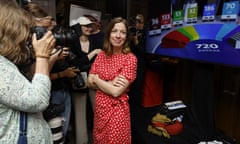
208 42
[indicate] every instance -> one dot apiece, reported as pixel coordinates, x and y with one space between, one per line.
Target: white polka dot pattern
112 117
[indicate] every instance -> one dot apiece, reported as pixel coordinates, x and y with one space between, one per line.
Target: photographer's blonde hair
15 30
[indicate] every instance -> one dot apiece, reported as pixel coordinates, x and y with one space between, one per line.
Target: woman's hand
115 88
119 81
60 53
70 72
65 53
44 46
91 82
96 51
93 53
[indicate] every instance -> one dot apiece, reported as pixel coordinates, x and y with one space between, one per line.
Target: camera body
64 36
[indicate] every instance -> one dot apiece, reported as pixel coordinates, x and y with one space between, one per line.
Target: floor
191 134
71 134
141 118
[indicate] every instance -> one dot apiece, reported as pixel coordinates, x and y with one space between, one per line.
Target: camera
133 31
64 36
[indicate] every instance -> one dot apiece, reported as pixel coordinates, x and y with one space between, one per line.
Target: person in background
97 35
61 73
137 43
137 36
41 19
141 32
17 93
85 50
112 73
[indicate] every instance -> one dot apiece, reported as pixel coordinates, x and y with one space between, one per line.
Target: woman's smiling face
86 29
118 35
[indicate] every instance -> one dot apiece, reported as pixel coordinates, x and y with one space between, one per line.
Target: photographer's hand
42 49
65 53
70 72
60 53
44 46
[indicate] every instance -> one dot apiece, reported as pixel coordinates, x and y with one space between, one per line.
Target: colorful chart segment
213 42
191 33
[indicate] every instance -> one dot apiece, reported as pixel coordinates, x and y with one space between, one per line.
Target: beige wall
48 5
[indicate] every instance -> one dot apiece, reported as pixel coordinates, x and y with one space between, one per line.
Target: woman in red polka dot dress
112 72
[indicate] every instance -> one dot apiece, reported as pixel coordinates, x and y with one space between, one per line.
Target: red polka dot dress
112 116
